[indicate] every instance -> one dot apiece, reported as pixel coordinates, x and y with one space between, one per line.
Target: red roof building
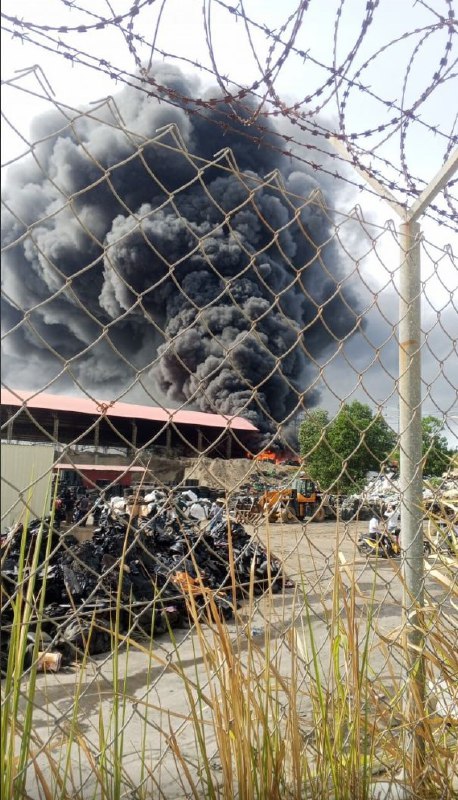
84 421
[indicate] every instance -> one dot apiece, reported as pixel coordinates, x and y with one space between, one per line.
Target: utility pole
410 438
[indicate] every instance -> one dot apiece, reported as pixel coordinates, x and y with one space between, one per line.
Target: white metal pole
410 441
410 438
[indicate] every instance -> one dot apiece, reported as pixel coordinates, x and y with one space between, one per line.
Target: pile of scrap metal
379 493
183 504
441 499
137 573
299 499
383 491
296 500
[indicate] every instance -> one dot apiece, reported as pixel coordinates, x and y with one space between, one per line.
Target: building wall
89 478
105 475
26 469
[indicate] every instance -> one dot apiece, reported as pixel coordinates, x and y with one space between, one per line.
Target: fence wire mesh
205 581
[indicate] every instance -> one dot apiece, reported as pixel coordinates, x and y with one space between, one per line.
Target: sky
399 71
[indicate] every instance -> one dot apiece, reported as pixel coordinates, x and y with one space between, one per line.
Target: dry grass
295 720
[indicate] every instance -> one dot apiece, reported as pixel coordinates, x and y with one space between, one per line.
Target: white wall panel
26 480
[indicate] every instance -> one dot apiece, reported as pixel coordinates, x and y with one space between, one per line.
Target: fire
268 455
274 457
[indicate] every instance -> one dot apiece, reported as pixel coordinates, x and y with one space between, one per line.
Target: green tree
337 453
436 453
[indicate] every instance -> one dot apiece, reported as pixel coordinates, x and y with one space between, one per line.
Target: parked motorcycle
382 545
379 545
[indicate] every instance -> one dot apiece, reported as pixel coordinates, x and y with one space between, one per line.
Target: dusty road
311 551
157 704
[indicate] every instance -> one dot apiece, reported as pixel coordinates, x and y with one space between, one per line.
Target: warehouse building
82 421
97 443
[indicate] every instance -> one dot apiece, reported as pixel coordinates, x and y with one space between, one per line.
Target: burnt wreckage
152 566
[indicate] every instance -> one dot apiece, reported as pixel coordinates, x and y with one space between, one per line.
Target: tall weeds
275 712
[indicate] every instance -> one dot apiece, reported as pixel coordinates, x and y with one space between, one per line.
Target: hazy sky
399 71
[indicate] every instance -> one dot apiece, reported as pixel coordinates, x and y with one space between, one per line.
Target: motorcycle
379 545
382 545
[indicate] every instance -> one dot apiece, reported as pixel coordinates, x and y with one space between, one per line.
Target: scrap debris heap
153 566
383 491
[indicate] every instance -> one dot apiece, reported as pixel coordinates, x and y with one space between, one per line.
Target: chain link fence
229 473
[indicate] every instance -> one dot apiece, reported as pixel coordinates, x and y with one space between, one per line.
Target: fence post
411 486
410 441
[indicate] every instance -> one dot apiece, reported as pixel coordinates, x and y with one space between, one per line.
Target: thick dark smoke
215 299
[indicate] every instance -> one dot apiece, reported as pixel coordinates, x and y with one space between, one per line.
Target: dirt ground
226 475
229 475
157 703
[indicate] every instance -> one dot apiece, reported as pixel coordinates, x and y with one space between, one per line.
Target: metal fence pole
410 441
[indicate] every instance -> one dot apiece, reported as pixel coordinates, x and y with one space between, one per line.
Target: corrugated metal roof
84 405
98 467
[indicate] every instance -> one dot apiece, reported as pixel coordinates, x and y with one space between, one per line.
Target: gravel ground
153 683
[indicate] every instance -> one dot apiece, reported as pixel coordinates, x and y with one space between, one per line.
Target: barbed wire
266 133
276 38
192 251
292 114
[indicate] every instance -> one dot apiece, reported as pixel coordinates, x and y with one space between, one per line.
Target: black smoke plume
124 263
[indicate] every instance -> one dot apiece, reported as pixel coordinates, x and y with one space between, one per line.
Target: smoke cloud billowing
123 260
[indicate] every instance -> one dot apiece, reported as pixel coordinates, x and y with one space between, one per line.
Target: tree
337 453
436 453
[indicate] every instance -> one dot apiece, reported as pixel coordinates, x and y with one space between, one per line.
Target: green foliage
437 456
339 452
436 453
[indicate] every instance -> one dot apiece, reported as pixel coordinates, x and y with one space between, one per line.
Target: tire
287 515
319 515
